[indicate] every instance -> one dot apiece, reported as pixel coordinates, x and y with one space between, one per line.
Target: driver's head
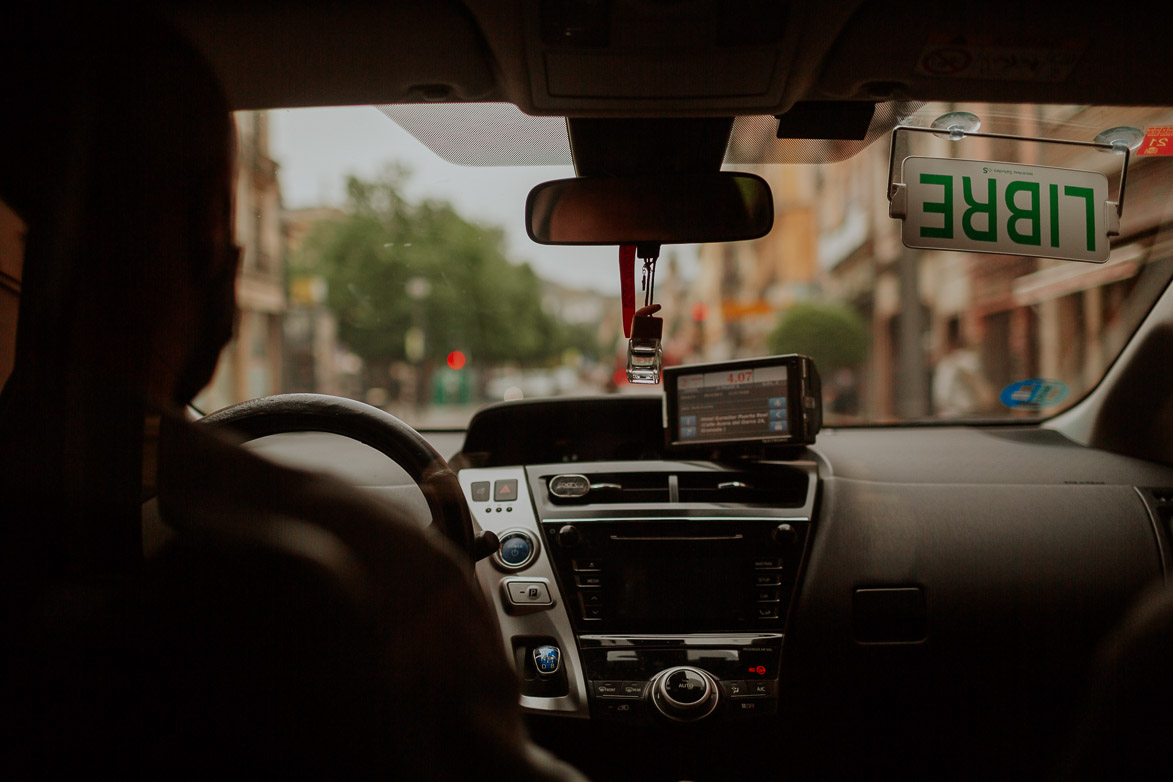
121 164
186 130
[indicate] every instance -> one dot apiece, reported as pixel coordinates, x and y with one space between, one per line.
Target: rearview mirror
662 209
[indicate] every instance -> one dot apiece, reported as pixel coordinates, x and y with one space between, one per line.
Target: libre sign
987 207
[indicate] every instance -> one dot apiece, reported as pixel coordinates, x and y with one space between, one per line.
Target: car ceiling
602 58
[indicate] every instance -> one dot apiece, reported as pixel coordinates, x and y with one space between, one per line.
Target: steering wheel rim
369 425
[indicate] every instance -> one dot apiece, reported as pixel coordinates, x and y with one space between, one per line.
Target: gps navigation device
773 400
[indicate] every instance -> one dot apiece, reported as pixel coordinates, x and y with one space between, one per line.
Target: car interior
813 594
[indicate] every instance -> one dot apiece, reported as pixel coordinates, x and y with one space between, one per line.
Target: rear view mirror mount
662 209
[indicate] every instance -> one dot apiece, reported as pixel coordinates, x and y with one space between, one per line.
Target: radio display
673 588
758 400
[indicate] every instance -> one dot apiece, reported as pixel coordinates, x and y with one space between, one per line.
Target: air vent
1163 507
610 488
1162 496
780 486
775 485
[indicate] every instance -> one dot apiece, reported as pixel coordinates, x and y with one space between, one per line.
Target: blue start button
517 549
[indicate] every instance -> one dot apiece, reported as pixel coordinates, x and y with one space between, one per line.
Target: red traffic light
456 360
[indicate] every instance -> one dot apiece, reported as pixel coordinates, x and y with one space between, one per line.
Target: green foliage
833 335
474 299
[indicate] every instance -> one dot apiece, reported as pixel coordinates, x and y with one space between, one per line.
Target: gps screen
735 404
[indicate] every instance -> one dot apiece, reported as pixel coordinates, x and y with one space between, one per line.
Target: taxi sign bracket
897 194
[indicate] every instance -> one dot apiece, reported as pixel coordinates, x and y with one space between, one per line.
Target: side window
12 231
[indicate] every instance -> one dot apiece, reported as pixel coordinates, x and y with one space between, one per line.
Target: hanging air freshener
645 355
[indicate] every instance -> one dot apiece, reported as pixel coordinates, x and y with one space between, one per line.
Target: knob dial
569 536
685 693
784 535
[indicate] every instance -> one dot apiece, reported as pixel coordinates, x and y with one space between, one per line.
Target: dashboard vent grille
620 487
777 485
1163 496
783 487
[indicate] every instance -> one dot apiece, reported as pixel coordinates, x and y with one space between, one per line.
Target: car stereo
678 617
774 400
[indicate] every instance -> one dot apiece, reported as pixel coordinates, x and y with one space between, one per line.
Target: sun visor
500 134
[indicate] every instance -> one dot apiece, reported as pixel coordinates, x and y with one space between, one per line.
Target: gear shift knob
547 659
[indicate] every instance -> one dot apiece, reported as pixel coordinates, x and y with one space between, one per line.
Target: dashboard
926 600
885 596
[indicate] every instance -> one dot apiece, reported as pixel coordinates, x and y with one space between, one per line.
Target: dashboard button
516 550
480 491
608 689
767 688
767 611
632 689
767 594
592 612
505 490
734 688
752 707
767 578
591 597
766 563
527 593
621 708
588 580
582 565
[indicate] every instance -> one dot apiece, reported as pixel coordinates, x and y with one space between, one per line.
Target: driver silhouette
286 624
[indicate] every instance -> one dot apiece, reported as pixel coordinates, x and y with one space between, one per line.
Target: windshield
375 269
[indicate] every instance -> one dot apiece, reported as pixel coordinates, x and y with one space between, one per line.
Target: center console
666 586
653 586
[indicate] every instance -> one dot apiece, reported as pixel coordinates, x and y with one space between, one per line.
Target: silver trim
575 519
540 621
677 537
699 639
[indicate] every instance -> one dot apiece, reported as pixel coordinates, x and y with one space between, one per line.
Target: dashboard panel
657 568
941 591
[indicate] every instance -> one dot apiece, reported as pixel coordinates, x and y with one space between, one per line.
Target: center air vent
780 486
776 485
622 487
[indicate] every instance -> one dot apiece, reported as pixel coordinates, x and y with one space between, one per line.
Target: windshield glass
376 270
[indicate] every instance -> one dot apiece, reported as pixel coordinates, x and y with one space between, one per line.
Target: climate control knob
685 693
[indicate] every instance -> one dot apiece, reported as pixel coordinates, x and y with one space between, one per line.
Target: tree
833 335
393 266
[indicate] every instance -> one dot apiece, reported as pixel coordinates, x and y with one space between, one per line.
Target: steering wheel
371 426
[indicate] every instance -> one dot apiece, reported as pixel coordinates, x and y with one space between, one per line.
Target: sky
316 149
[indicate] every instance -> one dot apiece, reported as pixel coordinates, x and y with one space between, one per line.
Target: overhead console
643 588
